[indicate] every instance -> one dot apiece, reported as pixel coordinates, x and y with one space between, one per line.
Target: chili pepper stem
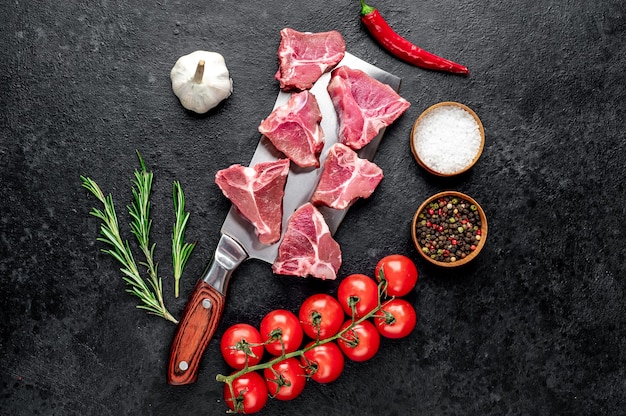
365 8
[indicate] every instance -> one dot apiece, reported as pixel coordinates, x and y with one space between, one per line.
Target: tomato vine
354 336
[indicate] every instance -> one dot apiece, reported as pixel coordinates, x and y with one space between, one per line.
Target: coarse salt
447 139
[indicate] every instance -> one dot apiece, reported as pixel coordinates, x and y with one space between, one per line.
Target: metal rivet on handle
183 365
206 303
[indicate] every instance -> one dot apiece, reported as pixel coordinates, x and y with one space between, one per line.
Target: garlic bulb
201 81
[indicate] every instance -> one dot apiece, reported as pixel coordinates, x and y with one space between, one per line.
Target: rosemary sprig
180 250
140 227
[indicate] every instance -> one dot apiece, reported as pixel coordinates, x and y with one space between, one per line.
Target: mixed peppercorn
448 229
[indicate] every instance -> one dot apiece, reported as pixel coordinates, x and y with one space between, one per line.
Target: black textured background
536 326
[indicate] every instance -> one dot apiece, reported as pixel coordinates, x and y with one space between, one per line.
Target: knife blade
238 241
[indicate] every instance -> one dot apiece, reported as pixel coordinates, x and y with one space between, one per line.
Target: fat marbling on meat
345 178
294 129
304 57
363 104
308 248
257 193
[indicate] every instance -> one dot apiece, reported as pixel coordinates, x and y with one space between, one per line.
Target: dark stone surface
536 326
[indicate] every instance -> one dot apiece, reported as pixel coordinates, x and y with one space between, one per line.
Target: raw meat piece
257 192
307 247
345 178
294 129
363 104
304 57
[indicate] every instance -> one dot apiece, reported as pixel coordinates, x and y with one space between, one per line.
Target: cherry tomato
358 290
239 342
361 342
399 272
321 316
323 363
285 379
250 393
283 327
397 319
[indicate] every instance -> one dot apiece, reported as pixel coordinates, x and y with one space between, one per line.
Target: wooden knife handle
197 325
203 313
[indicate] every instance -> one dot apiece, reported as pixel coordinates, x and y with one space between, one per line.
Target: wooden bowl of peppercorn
449 229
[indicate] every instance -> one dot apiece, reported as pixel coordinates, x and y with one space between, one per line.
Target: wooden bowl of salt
447 139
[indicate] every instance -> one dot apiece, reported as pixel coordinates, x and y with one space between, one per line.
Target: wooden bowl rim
480 129
483 229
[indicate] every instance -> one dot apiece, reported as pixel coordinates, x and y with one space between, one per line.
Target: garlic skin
201 80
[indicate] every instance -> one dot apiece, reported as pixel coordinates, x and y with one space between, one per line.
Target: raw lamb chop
307 247
304 57
345 178
257 192
294 129
363 104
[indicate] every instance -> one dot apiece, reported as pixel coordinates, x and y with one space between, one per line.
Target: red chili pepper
402 48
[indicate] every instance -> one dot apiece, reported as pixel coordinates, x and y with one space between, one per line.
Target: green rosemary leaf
98 214
115 255
110 238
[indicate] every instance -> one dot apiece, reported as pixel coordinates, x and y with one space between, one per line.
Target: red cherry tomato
283 327
361 342
323 363
285 379
321 316
360 291
236 346
399 272
250 393
396 319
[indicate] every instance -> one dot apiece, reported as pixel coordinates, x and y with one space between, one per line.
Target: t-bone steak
308 248
304 57
294 129
345 178
363 104
257 193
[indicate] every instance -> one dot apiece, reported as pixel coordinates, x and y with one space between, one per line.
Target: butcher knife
238 241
